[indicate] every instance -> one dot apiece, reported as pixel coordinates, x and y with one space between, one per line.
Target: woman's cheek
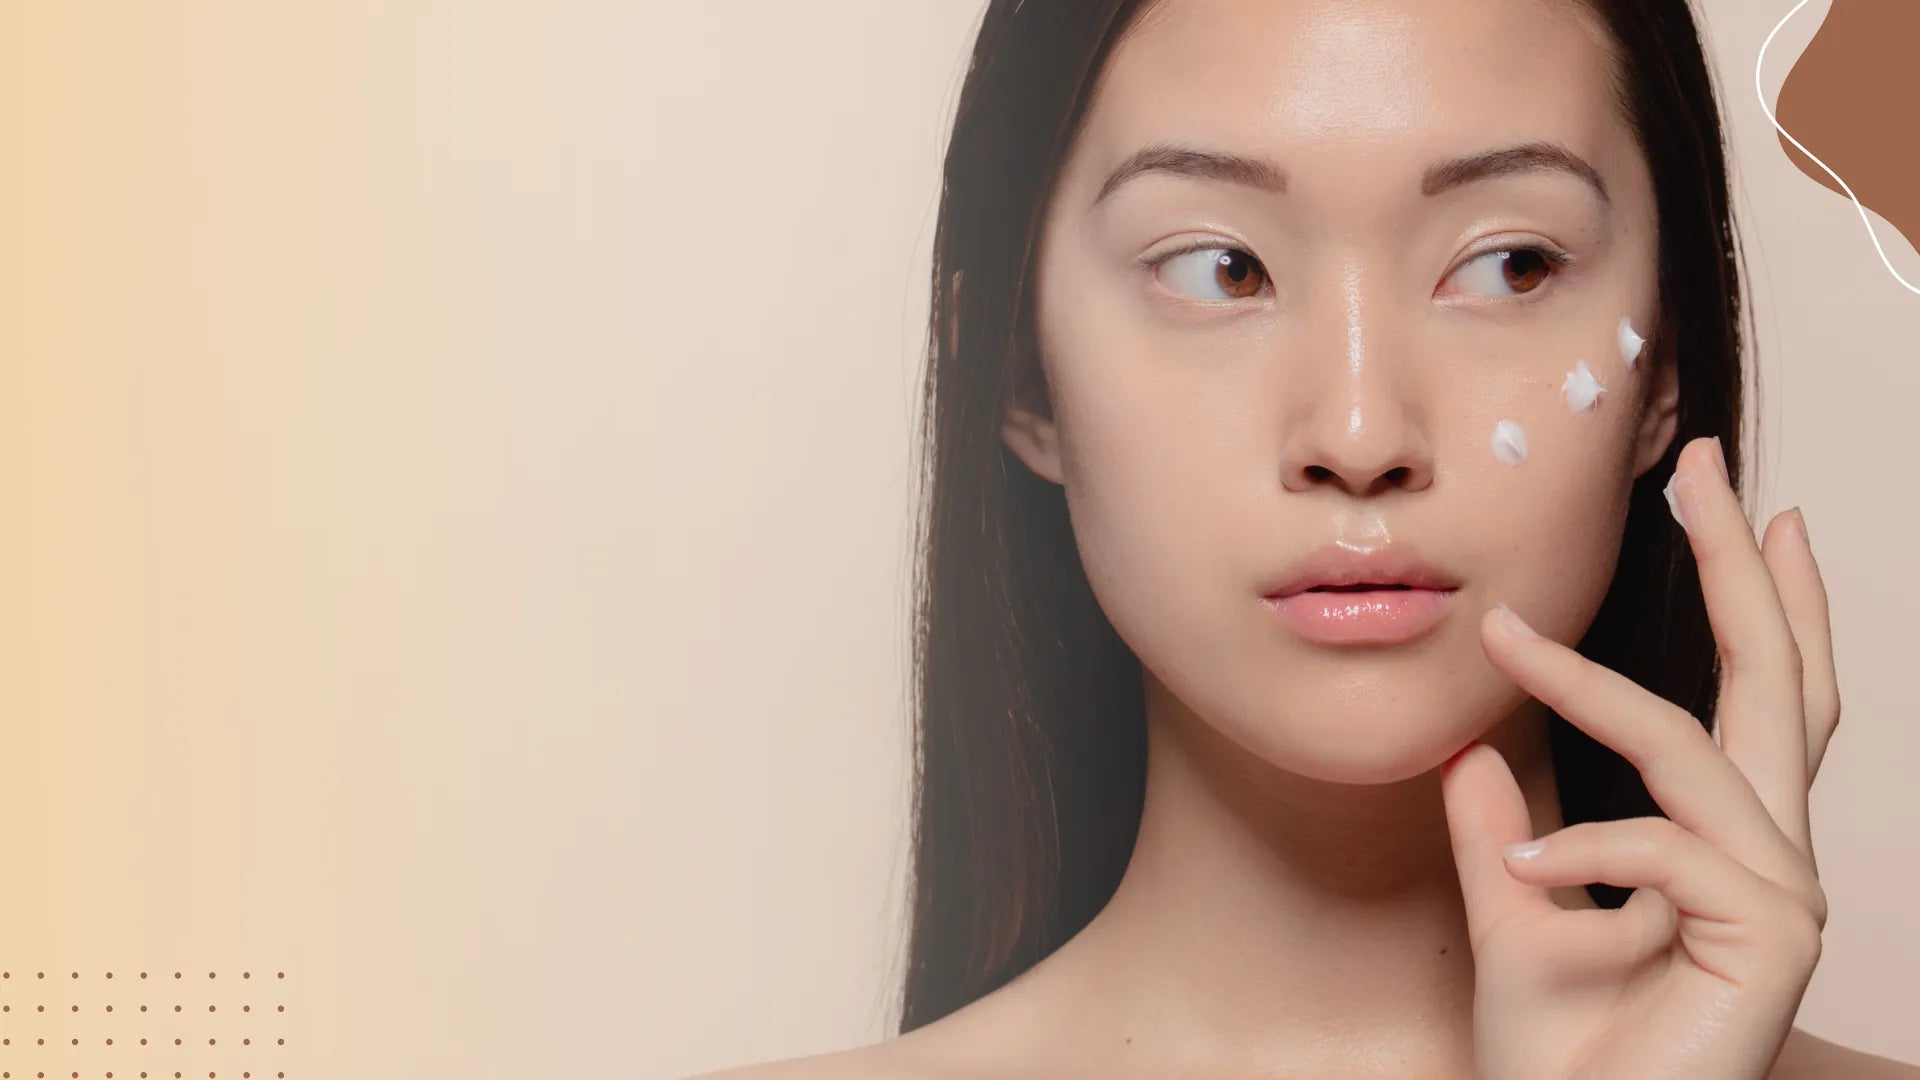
1158 478
1556 477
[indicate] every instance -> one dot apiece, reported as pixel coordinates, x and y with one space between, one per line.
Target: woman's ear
1660 421
1029 435
1033 438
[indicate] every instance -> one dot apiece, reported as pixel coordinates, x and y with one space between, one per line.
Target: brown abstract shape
1853 99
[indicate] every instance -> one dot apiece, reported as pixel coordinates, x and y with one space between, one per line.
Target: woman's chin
1379 744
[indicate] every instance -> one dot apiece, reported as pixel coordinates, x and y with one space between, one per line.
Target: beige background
455 473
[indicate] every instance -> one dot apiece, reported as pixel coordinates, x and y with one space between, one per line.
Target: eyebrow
1261 173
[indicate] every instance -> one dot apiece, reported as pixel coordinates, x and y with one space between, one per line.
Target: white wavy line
1764 107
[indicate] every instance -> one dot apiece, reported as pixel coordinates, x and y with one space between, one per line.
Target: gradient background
454 501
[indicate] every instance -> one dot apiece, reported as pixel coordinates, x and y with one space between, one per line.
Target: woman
1280 348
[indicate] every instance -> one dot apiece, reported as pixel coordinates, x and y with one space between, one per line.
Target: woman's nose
1369 454
1357 425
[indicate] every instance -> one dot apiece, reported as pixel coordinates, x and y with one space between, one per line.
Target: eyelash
1556 258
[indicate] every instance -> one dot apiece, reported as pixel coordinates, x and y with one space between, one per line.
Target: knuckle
1733 656
1802 921
1817 906
1653 836
1770 653
1586 682
1802 936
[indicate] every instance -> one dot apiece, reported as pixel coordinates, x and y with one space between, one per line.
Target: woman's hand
1700 975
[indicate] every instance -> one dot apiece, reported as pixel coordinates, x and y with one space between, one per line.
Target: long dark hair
1030 735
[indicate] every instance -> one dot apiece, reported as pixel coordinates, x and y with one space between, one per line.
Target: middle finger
1759 713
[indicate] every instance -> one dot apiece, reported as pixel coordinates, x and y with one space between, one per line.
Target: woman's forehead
1424 74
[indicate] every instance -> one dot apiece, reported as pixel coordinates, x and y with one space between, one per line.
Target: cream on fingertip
1673 498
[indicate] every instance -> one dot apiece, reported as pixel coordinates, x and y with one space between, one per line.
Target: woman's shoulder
1000 1036
855 1064
884 1059
1805 1056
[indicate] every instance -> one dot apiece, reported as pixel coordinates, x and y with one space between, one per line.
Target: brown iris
1523 265
1237 274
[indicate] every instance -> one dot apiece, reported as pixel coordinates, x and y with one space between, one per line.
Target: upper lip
1394 564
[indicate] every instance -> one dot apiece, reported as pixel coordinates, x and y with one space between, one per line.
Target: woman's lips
1362 615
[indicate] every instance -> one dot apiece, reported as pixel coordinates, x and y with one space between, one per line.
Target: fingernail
1800 522
1720 459
1516 623
1675 482
1524 851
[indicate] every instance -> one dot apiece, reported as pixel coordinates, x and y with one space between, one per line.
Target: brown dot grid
7 1075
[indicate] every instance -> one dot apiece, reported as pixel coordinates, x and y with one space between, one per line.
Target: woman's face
1326 375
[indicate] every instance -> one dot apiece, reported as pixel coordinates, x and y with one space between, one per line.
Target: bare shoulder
929 1053
859 1063
1808 1057
1002 1036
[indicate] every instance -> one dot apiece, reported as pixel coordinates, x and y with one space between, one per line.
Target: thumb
1485 812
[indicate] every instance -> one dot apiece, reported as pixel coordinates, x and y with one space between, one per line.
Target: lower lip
1363 617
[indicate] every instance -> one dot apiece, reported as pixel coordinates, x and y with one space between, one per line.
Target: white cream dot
1630 342
1581 389
1509 442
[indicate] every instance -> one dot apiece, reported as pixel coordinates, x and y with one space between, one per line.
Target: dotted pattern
8 986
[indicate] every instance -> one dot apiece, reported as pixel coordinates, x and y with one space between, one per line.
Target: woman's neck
1269 917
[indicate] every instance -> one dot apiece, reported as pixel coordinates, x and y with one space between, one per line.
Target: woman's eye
1517 270
1195 272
